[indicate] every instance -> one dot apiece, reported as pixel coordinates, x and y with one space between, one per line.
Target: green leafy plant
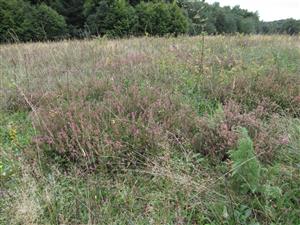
246 167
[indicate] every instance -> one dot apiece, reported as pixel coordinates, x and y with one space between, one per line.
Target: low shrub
279 86
111 126
218 133
282 90
16 101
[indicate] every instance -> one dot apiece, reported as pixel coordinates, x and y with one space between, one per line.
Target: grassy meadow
187 130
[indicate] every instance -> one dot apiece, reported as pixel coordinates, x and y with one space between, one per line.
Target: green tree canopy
35 20
113 17
159 18
25 22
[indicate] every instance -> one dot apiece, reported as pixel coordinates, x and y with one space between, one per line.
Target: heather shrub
288 133
218 132
282 91
109 126
16 101
214 138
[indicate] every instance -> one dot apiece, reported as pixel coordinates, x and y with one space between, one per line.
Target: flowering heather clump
218 133
248 91
16 101
126 127
115 125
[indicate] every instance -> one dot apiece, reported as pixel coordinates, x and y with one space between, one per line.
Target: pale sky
268 10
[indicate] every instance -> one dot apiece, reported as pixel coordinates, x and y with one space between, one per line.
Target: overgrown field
187 130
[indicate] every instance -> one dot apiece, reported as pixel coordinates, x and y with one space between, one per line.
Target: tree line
39 20
288 26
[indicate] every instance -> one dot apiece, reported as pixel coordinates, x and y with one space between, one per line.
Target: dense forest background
39 20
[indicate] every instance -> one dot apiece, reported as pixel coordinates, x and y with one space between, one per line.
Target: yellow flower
12 132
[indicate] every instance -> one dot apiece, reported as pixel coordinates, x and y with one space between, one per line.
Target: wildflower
12 132
284 140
